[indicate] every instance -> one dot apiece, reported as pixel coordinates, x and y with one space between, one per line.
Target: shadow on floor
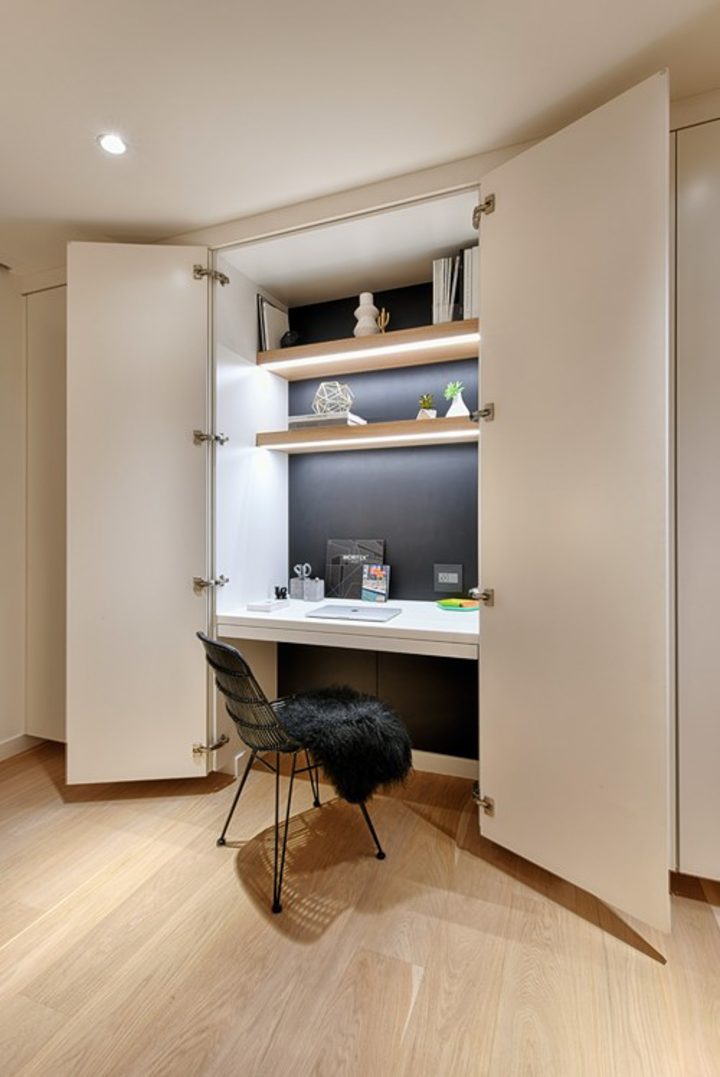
52 760
330 864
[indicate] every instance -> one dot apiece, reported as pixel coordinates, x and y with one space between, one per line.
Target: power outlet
448 579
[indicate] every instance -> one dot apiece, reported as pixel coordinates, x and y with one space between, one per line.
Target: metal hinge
487 412
488 206
487 597
200 584
486 803
199 436
214 274
205 749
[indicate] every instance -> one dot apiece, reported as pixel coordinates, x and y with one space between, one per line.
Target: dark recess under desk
437 698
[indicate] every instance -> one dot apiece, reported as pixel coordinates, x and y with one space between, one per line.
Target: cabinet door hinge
487 412
214 274
199 436
201 584
486 803
487 206
205 749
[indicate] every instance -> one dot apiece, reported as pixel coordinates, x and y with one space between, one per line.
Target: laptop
355 613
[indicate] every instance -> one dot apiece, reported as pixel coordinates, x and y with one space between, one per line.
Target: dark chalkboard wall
408 308
437 698
422 501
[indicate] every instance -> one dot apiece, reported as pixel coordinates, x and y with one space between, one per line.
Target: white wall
12 519
455 175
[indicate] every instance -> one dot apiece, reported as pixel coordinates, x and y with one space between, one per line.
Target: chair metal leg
278 875
366 815
241 786
314 780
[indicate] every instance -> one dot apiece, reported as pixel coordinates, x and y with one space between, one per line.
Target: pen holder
297 587
314 590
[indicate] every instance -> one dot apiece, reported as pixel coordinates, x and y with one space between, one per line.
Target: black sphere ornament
289 338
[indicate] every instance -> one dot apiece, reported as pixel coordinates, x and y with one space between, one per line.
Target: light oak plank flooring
131 946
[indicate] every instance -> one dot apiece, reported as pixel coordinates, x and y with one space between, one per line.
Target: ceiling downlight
112 143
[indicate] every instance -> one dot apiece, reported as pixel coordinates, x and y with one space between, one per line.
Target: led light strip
386 349
388 439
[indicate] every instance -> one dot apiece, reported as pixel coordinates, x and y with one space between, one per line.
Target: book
375 583
335 418
471 273
445 285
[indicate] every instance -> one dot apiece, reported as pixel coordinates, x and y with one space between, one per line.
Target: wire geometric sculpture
331 397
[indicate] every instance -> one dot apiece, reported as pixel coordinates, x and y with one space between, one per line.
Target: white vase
457 408
426 413
366 315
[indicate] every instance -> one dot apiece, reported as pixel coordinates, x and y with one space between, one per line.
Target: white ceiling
234 107
386 250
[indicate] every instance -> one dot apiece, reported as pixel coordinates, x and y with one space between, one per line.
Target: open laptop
355 613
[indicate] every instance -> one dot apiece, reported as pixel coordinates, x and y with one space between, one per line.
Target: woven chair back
248 706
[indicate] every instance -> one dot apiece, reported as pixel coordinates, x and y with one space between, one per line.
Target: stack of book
330 418
471 281
452 275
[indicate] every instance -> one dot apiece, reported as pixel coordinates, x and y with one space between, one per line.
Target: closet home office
189 498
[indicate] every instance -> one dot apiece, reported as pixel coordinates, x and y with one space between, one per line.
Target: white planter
366 314
426 413
457 408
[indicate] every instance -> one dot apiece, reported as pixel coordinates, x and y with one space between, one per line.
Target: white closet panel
46 330
251 485
698 497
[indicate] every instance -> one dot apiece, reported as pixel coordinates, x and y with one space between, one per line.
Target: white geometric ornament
332 397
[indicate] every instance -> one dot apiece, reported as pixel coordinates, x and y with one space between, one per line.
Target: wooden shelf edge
405 433
359 354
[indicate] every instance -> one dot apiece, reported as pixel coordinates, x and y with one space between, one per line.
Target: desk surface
421 628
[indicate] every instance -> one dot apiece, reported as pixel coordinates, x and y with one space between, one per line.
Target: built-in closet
172 528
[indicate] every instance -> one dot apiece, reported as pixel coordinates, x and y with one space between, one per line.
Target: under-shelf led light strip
385 349
370 439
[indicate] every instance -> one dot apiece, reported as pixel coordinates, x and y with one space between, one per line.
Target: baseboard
435 763
19 743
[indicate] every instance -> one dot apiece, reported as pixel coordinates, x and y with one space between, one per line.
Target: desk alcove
416 489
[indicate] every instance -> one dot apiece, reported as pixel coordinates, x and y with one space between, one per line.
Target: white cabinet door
574 697
698 498
137 507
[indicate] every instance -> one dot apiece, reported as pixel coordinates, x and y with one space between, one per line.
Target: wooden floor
131 945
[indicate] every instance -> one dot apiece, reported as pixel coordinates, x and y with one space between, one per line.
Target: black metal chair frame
260 729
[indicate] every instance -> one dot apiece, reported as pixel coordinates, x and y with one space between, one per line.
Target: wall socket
448 578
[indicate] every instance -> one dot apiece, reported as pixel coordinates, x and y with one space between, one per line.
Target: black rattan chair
259 726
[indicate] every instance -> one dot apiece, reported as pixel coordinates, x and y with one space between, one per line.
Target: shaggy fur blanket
360 743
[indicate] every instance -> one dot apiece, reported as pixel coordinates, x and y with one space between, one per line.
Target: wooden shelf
401 435
417 347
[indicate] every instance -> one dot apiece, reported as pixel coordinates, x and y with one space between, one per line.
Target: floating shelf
442 343
401 435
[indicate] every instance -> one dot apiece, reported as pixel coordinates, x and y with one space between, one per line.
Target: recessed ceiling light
112 144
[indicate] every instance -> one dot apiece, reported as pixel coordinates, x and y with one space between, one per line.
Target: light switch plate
448 579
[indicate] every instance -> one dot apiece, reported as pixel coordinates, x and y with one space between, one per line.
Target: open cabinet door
574 672
137 500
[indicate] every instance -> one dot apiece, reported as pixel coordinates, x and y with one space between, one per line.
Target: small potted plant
427 407
454 393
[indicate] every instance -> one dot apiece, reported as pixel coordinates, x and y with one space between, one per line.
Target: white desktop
418 628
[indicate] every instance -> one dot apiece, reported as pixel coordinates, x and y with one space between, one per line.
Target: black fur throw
360 743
